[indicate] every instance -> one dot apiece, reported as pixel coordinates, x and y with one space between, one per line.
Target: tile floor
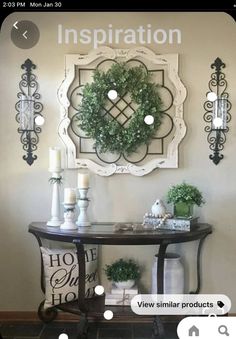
96 331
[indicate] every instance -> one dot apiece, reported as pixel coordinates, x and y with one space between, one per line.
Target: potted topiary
184 197
123 273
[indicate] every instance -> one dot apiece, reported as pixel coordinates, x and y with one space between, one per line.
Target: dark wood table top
104 233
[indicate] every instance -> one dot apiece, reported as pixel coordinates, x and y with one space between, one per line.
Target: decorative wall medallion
162 151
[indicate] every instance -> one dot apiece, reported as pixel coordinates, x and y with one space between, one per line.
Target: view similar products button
183 304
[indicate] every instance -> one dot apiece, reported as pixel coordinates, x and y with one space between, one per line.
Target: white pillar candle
83 180
69 196
54 159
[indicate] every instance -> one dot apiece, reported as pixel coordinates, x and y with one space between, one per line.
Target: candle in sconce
69 196
27 112
54 159
83 180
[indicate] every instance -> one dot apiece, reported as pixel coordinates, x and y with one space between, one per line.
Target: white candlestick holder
69 217
83 203
55 209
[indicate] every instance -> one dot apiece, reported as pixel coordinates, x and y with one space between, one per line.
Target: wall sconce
29 111
217 109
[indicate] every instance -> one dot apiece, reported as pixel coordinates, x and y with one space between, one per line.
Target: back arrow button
15 25
24 34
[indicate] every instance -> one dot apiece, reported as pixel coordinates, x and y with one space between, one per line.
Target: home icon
193 332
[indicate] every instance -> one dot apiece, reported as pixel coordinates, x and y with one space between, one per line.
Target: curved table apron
103 234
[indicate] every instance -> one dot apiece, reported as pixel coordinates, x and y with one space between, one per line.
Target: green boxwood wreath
108 134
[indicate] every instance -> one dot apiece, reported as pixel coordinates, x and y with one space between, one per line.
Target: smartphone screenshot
117 171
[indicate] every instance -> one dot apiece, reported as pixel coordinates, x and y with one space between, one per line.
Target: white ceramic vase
173 274
124 284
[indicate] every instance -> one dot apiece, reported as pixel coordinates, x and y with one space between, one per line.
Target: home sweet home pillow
61 274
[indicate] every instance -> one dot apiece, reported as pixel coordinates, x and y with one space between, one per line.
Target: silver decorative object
175 224
159 209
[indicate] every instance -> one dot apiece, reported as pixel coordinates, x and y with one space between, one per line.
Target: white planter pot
173 275
124 284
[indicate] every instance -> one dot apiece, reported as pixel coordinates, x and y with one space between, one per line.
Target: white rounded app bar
207 328
183 304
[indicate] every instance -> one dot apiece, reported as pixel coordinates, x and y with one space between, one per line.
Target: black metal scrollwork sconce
217 109
29 112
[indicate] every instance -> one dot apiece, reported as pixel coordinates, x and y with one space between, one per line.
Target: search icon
223 330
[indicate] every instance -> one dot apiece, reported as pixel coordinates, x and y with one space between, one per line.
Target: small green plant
185 193
122 270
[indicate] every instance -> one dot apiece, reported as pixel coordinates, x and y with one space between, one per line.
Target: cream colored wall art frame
79 151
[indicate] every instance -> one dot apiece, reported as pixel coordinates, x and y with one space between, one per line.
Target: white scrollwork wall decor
162 152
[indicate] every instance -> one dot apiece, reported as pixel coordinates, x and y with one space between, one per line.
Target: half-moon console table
104 234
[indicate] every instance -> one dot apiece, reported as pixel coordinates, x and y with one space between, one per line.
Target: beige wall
24 191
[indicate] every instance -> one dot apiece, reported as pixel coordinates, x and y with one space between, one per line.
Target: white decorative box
120 296
132 291
118 299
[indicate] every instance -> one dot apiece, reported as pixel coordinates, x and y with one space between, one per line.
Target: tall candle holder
83 203
55 209
69 217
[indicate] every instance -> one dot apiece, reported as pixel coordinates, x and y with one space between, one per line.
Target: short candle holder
83 203
69 217
55 209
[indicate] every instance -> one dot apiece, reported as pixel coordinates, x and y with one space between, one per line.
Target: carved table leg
158 328
82 329
81 262
47 315
199 265
83 324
